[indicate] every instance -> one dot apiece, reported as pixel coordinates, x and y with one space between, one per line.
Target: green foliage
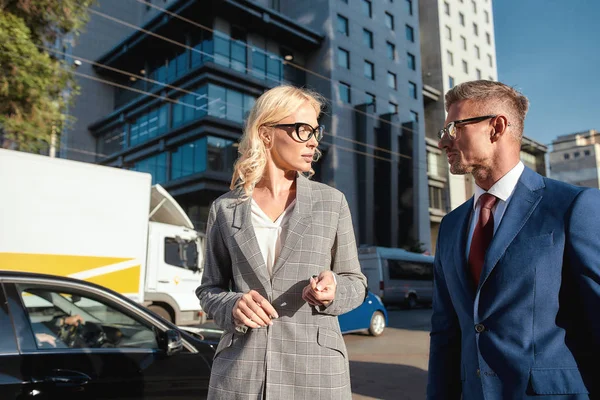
35 88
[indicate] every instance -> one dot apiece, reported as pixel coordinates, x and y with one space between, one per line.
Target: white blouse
270 234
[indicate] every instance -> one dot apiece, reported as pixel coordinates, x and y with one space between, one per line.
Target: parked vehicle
100 224
398 276
111 348
371 316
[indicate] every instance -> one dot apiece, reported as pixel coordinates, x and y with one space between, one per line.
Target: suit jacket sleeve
583 255
214 292
351 286
445 340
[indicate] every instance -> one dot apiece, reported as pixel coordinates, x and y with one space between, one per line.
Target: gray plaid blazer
302 355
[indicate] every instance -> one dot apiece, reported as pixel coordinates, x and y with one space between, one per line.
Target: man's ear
499 126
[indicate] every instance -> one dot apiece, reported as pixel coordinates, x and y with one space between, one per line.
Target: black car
64 338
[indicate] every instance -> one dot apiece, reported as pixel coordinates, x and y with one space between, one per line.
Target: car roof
8 275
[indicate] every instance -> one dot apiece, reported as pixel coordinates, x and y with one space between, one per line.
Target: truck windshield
181 253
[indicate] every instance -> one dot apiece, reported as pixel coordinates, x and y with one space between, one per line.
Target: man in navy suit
516 307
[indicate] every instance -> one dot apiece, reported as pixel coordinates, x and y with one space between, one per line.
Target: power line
141 77
120 21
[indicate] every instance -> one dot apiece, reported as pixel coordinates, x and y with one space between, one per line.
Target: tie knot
487 200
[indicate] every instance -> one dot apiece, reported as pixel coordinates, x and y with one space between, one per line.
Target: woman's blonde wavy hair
270 108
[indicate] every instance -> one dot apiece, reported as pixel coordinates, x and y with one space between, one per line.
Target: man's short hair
493 97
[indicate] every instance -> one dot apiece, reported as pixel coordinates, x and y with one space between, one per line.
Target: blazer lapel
245 238
299 222
460 249
522 204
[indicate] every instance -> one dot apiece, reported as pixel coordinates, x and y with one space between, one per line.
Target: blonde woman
281 262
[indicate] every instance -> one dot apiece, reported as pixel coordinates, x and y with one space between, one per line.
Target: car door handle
65 377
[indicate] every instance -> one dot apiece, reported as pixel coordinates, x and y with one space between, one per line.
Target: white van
398 276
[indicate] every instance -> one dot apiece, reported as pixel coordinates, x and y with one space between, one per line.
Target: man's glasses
302 132
450 129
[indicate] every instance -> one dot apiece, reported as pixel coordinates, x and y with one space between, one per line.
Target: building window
477 53
566 156
478 71
448 33
450 57
391 50
465 67
436 198
464 42
410 33
490 60
586 153
474 6
446 8
461 18
412 61
450 82
342 25
343 58
487 16
475 29
344 89
412 90
576 154
409 7
392 108
371 99
414 116
389 20
368 38
369 70
155 165
367 8
391 80
488 38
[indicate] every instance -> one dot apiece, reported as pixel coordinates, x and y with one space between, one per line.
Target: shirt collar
504 187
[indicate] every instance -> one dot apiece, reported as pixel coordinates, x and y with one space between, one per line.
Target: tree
35 86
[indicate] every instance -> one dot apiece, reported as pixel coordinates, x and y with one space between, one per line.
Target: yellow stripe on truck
54 264
124 280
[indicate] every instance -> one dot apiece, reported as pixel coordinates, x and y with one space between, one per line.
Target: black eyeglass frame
316 132
446 130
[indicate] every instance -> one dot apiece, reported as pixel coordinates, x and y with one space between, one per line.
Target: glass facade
217 48
203 100
204 154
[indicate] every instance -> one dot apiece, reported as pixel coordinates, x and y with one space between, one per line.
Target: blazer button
479 328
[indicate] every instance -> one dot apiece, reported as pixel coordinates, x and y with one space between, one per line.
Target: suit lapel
522 204
299 222
460 253
245 238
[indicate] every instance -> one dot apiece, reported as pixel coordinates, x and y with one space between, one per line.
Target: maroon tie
482 236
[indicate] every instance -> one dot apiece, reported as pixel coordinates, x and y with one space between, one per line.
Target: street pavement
392 366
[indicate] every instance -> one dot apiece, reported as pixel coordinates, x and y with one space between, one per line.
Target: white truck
100 224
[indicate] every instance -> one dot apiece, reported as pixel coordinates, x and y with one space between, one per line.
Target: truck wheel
377 324
161 311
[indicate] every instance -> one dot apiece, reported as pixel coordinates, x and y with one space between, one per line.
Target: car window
68 320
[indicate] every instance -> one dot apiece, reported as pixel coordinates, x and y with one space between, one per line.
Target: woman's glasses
302 132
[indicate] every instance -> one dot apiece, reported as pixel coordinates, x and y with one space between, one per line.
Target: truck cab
174 261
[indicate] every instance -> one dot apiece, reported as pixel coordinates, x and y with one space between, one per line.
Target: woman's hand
320 290
253 310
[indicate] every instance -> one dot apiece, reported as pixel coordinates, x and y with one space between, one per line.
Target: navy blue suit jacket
532 326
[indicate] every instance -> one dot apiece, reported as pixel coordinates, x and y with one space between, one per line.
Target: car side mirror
172 342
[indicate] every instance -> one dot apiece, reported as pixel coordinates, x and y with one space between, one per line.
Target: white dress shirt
503 190
270 234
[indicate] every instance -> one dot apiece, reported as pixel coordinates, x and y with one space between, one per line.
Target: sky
550 51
